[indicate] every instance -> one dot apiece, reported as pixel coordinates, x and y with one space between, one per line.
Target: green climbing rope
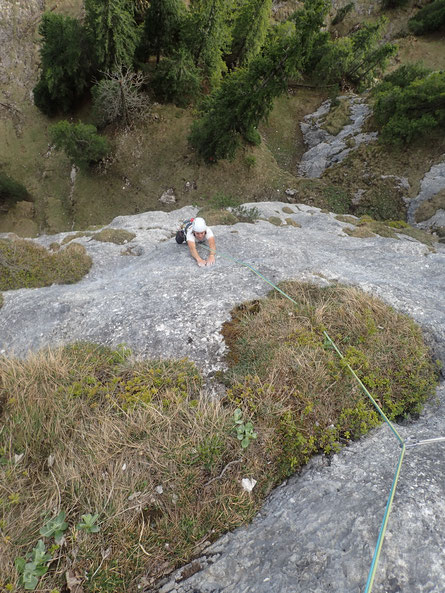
381 536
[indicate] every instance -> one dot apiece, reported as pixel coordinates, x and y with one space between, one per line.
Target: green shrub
11 191
430 17
81 142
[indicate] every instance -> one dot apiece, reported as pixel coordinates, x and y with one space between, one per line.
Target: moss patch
337 118
359 232
69 238
24 264
275 220
291 222
347 218
117 236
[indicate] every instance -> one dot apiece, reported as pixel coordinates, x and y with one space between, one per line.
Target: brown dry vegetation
88 430
24 264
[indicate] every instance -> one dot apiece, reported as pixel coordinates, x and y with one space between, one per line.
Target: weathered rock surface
152 301
325 149
432 183
316 533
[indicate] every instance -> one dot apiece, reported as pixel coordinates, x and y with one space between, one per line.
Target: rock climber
195 231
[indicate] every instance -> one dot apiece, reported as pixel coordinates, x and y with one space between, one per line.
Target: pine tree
65 65
250 29
162 28
208 36
233 111
112 32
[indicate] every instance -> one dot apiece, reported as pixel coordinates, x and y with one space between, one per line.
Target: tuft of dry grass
282 345
118 236
24 264
87 431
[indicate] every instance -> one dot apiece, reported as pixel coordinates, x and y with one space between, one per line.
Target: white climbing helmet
199 225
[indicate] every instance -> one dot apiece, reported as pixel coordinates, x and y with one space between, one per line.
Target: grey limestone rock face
324 149
432 183
317 532
150 302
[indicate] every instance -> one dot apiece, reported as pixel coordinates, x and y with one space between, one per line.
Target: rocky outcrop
317 532
152 301
325 149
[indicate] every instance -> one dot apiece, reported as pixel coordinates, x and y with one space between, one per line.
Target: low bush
24 264
81 142
429 18
11 191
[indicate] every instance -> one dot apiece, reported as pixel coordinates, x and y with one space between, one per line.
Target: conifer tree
208 36
250 29
65 65
162 27
233 111
112 32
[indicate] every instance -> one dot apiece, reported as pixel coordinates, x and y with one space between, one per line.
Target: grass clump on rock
24 264
296 388
117 236
92 434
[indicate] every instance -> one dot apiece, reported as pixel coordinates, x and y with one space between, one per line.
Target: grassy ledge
24 264
115 472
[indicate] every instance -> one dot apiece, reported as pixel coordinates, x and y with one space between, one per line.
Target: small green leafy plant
55 527
31 571
244 430
88 523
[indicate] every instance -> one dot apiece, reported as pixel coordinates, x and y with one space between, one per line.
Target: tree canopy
65 65
112 32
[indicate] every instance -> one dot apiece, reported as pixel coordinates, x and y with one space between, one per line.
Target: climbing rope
403 446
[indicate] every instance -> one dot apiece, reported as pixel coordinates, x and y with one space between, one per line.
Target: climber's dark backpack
181 235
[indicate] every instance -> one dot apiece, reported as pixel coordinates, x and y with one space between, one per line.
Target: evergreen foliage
162 27
430 17
177 79
11 191
112 32
80 142
342 13
65 66
355 60
409 105
233 111
250 29
394 3
207 34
